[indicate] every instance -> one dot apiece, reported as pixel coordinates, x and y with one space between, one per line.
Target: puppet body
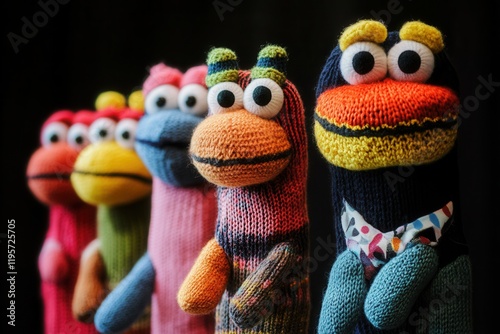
110 175
183 208
71 222
385 120
255 151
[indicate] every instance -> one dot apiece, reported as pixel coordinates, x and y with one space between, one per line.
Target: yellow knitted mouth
238 149
386 123
364 153
108 174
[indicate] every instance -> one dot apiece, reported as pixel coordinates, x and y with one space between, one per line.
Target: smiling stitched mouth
48 176
136 177
387 131
242 161
163 144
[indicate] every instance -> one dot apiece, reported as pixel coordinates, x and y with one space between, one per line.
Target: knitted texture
261 239
109 174
71 223
390 140
183 212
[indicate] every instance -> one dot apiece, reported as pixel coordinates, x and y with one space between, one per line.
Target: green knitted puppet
253 146
386 122
109 174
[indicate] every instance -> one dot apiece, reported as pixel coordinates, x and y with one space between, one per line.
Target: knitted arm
398 284
127 301
343 299
90 288
255 298
452 287
52 262
204 285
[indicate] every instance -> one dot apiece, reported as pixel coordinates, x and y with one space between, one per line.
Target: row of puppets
182 208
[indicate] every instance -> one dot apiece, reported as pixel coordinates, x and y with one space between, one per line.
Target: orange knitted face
48 174
237 149
386 123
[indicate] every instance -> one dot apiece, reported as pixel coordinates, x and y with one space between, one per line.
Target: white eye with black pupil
363 62
102 130
225 96
78 136
410 61
53 133
125 133
263 97
163 97
193 99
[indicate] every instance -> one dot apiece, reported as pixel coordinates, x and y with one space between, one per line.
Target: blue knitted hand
398 284
260 292
451 290
343 300
127 301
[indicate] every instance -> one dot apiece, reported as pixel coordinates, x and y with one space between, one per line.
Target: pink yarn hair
161 74
195 75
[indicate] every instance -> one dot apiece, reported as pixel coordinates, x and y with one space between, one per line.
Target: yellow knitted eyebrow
363 31
136 100
422 33
110 99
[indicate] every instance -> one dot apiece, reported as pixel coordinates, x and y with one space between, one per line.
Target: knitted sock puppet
386 121
183 212
253 146
109 174
71 221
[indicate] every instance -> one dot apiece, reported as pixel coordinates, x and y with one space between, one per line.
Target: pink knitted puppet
183 207
71 222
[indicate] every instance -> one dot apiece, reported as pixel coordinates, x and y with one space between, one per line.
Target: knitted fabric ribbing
123 234
182 222
252 220
73 228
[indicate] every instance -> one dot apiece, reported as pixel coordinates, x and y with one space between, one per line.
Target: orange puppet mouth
48 174
237 149
384 124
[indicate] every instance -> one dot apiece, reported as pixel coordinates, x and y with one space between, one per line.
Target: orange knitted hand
203 287
90 287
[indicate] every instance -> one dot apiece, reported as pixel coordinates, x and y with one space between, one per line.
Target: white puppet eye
264 98
410 61
363 62
125 133
101 130
53 133
78 136
193 99
163 97
225 96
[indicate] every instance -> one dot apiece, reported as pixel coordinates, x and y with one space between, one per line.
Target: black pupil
191 101
161 101
103 133
225 98
79 140
54 138
262 95
363 62
409 61
126 135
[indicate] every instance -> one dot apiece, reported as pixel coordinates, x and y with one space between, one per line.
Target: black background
87 47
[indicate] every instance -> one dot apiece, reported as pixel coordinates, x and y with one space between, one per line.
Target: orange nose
237 149
48 174
386 103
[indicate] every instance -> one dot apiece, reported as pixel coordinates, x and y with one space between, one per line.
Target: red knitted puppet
71 222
